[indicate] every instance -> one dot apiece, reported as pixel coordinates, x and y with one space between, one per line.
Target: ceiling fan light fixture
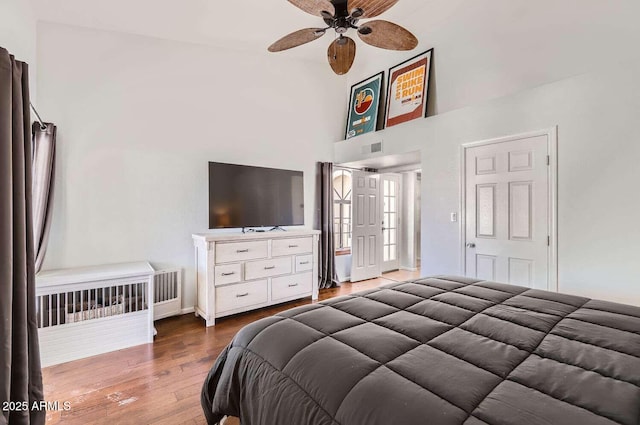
327 15
357 13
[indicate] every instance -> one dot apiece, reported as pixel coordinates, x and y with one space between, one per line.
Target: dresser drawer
291 246
234 297
267 268
228 273
239 251
304 263
290 286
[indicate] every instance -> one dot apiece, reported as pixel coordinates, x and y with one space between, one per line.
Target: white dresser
237 272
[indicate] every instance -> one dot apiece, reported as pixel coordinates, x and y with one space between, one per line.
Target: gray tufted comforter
435 351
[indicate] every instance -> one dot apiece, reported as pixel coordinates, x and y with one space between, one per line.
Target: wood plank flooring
159 383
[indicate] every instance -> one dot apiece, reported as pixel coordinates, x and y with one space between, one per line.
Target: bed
443 350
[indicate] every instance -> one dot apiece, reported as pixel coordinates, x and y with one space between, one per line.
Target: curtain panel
20 373
328 276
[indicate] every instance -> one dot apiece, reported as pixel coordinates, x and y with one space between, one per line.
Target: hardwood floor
159 383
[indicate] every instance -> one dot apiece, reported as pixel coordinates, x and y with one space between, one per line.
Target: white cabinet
237 272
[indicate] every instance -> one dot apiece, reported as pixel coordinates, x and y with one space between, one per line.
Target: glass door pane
390 217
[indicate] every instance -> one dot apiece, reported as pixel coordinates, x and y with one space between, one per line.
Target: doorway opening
377 224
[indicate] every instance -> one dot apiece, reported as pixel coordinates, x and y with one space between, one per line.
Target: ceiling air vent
372 148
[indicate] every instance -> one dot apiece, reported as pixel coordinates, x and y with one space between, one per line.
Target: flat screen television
245 196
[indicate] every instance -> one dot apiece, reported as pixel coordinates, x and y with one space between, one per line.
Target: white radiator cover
167 285
93 310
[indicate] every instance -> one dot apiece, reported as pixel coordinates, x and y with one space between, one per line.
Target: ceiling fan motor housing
342 25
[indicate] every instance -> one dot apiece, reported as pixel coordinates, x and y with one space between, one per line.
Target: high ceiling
254 24
480 44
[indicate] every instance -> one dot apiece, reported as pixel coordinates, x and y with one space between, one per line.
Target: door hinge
548 160
548 240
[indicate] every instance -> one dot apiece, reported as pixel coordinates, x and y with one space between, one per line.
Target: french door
390 222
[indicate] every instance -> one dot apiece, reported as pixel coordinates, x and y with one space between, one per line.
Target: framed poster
364 104
408 90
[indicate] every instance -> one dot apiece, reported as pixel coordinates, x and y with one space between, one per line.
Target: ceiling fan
342 15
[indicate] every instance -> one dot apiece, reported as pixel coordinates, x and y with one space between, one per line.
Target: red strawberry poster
364 104
407 94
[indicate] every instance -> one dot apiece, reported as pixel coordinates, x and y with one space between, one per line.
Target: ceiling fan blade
296 39
387 35
314 7
341 55
371 8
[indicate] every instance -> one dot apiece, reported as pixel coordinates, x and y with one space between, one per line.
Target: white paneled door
366 227
507 217
390 222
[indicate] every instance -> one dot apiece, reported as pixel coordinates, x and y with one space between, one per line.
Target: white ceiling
484 48
243 25
253 23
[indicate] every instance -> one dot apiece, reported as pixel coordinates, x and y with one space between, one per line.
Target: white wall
599 150
138 120
18 34
343 267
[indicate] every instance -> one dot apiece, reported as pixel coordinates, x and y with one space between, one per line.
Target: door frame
552 214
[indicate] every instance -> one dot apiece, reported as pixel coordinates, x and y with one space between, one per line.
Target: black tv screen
245 196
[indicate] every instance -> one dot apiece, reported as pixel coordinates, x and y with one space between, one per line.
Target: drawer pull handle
270 268
303 263
228 274
293 285
293 246
242 295
240 251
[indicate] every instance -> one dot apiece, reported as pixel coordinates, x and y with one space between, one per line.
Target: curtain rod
42 125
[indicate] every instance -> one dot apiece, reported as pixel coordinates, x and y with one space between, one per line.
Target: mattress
443 350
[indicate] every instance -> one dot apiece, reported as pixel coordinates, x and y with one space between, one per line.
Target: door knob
471 245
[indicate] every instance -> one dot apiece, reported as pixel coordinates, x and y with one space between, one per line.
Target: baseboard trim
188 310
409 269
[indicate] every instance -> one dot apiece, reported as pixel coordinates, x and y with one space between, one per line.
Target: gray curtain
20 373
327 269
44 152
